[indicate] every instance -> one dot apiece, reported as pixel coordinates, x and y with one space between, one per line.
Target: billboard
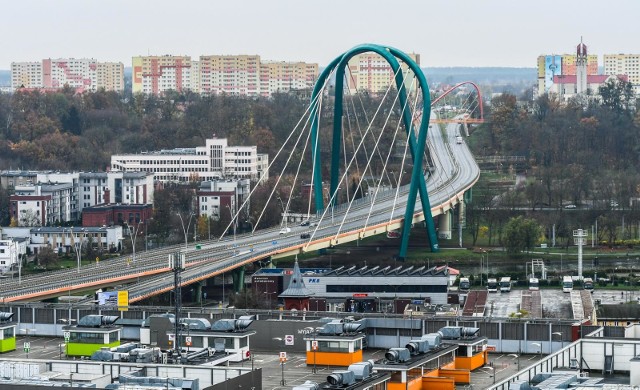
108 298
552 67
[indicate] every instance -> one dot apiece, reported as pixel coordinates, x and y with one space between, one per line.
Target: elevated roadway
454 171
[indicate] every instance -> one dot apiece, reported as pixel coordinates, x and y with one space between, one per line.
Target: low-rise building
67 239
214 161
11 252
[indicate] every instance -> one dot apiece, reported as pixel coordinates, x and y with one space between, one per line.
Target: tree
521 234
47 257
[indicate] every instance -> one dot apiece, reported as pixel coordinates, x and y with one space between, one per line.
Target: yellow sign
123 300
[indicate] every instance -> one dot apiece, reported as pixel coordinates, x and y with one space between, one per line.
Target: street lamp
492 372
516 356
234 221
183 228
77 246
561 338
539 345
282 360
133 236
314 345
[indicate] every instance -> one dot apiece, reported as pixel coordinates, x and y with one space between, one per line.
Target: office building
216 160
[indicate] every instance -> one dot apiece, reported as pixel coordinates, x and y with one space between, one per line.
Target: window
8 332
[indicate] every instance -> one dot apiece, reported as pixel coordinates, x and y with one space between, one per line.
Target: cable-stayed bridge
378 163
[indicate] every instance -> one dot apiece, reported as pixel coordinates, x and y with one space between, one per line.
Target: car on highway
570 206
305 236
306 222
285 230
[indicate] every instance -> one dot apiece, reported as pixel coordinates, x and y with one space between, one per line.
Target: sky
509 33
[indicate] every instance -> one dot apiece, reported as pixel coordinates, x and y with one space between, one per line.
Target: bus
464 284
505 284
534 284
567 284
587 284
492 285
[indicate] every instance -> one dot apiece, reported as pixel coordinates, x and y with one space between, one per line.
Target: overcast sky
445 32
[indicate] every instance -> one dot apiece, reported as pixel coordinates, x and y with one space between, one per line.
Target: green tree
521 234
47 257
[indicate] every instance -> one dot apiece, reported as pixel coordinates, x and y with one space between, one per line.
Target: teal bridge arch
416 146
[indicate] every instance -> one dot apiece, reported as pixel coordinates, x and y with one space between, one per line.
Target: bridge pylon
416 145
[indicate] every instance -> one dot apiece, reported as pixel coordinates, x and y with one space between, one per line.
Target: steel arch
416 146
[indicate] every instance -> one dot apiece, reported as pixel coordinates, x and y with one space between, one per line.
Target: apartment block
81 74
155 75
371 72
624 64
241 75
26 75
285 76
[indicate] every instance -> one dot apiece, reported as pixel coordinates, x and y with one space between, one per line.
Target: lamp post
234 221
539 345
77 246
314 345
517 357
561 339
282 360
133 236
185 231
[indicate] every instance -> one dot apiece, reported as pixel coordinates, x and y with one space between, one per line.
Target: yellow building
372 73
286 76
233 75
110 76
624 64
155 75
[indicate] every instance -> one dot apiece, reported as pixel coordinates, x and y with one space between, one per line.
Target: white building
81 74
45 198
41 204
10 253
216 160
67 239
221 198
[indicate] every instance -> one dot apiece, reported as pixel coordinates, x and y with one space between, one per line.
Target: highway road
454 172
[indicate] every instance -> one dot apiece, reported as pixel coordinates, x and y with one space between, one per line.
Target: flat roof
415 360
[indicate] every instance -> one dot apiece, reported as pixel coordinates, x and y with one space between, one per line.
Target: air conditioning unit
341 378
397 355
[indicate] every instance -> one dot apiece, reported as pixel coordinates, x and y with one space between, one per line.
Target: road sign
314 345
283 357
188 341
67 336
288 339
26 346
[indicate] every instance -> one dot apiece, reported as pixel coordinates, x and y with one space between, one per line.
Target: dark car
305 235
306 222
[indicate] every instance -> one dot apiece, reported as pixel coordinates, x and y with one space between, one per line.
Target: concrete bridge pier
444 225
238 279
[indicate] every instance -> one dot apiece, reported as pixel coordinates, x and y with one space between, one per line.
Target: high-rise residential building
81 74
26 75
286 76
110 76
215 160
155 75
624 64
233 75
243 75
371 72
